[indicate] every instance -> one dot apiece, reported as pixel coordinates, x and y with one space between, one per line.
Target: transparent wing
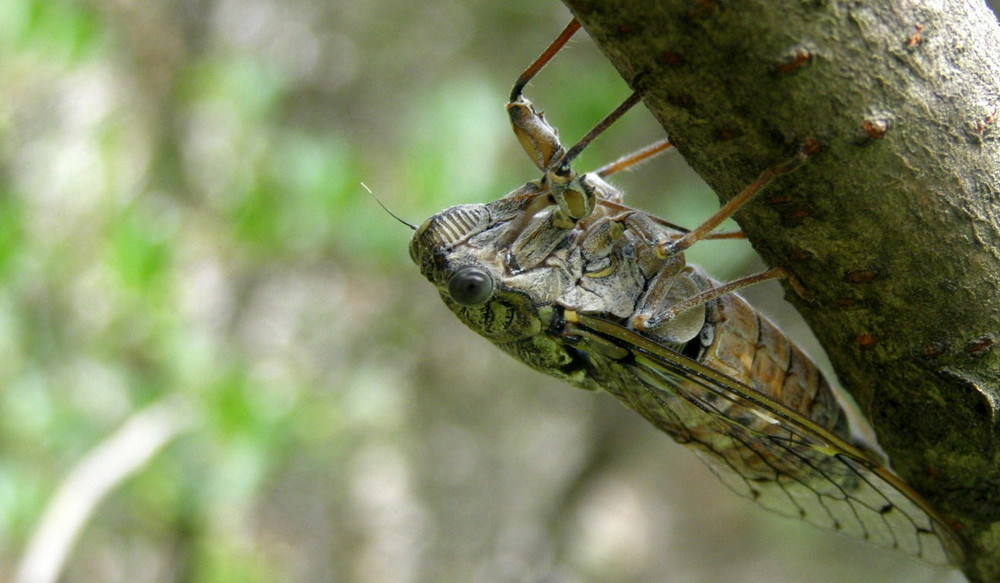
771 454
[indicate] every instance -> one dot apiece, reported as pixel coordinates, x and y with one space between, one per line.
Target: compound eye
470 286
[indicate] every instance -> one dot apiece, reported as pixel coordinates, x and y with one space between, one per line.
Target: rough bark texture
892 226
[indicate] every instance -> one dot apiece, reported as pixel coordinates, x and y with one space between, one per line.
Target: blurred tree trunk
892 226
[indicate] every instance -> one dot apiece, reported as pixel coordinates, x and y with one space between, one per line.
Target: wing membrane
772 454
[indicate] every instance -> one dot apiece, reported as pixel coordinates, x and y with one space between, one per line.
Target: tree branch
894 226
102 470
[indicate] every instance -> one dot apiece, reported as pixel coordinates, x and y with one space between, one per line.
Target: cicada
563 276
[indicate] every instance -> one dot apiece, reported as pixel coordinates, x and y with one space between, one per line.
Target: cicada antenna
386 209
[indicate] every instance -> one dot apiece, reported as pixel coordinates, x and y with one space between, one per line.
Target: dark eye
470 286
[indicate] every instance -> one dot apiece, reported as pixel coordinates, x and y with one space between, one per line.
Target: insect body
563 277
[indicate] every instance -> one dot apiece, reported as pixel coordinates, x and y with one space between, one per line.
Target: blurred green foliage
181 216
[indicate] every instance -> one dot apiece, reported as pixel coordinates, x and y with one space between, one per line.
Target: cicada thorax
725 333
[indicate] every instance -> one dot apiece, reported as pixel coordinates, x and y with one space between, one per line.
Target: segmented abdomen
749 348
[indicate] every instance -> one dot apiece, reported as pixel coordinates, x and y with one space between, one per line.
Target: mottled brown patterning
564 277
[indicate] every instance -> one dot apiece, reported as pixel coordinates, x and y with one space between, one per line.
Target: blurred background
218 364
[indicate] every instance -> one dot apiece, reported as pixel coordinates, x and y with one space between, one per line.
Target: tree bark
893 226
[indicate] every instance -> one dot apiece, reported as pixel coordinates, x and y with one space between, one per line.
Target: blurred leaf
63 30
140 254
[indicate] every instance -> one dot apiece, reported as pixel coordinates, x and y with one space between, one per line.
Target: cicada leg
673 305
561 167
651 315
633 159
668 248
663 303
539 139
574 195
